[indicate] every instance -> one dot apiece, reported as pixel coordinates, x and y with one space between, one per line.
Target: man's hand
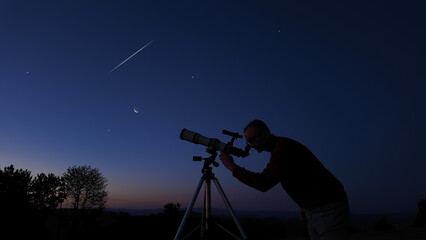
227 161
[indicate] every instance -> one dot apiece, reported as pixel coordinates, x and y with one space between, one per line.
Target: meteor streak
131 56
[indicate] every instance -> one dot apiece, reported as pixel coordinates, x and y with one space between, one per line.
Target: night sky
345 78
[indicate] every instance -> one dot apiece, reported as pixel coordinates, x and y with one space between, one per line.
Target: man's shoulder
285 144
281 144
282 141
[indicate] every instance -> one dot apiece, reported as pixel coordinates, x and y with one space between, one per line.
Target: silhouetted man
319 194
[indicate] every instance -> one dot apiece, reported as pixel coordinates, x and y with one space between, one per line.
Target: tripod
206 220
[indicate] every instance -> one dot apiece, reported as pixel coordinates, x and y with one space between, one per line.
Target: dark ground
66 224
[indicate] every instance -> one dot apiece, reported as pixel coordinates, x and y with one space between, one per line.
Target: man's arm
227 161
260 181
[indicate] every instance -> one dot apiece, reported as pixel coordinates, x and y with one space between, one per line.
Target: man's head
257 135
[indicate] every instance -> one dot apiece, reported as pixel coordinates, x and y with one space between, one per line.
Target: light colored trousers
329 222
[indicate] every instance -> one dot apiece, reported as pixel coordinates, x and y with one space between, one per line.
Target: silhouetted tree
86 186
15 184
420 220
17 216
171 208
48 191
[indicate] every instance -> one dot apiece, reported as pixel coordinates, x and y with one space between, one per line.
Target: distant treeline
31 207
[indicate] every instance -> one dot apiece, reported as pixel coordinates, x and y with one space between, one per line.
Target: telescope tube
214 143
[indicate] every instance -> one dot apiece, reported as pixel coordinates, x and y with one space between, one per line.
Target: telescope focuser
234 135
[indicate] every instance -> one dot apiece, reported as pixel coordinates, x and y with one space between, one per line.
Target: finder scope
215 143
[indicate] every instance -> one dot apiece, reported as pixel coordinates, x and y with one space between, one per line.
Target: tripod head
208 160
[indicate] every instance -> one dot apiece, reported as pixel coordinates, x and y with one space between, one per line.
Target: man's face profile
252 138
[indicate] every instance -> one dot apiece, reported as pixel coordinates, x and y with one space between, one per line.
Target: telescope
215 143
212 144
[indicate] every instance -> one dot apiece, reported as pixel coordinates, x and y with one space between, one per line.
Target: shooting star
131 56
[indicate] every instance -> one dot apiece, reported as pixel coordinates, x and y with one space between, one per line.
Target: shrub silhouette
171 208
383 224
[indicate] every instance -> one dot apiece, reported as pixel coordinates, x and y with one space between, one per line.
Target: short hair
259 125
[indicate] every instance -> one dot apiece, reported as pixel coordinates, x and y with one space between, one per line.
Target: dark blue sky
345 79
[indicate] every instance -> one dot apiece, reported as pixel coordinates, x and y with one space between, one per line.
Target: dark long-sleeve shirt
300 173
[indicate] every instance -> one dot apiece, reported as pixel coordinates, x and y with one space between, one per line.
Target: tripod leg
191 205
205 220
228 205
